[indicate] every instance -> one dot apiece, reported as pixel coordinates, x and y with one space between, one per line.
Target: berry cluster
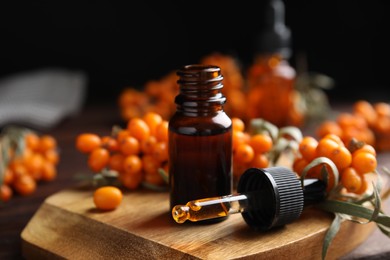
30 159
367 122
136 153
248 150
352 162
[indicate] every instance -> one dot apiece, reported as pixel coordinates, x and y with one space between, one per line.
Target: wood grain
67 225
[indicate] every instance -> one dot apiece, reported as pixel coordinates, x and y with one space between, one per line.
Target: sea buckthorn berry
244 153
382 109
116 162
341 157
335 138
52 156
87 142
132 164
364 185
150 164
366 110
259 160
364 162
162 131
325 147
160 151
307 148
148 144
47 142
238 138
98 159
365 148
238 124
107 197
138 128
129 145
299 164
32 141
351 180
152 119
261 143
110 143
154 178
131 181
25 184
5 193
122 134
329 127
49 171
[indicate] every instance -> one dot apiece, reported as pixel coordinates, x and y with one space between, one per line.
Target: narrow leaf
330 234
163 174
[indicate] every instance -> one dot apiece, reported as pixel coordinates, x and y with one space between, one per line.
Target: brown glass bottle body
200 137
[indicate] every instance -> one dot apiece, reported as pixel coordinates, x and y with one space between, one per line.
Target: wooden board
67 225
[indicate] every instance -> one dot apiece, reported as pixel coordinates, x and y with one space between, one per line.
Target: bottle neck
200 90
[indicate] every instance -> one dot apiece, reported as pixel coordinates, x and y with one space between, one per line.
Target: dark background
120 44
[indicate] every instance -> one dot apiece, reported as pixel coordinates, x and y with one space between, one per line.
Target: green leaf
330 234
163 174
292 132
318 161
355 210
154 187
259 125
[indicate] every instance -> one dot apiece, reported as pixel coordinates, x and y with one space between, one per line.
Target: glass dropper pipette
266 198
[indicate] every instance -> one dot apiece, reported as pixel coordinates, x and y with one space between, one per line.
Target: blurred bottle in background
271 79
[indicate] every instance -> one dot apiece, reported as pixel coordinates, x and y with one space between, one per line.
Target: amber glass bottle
271 79
200 137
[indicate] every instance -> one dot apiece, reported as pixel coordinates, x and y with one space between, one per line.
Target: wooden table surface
15 214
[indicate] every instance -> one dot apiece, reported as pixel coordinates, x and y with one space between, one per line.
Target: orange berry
131 181
49 171
162 131
110 143
122 134
307 148
25 184
132 164
261 143
366 110
152 119
160 152
98 159
150 164
365 148
47 142
148 144
325 147
5 193
107 197
341 157
87 142
8 176
154 178
238 138
116 162
351 180
34 164
244 153
238 124
328 127
138 128
52 156
32 141
382 109
363 186
129 145
364 162
259 160
299 164
335 138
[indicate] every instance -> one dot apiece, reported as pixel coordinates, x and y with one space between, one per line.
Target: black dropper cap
275 36
282 196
